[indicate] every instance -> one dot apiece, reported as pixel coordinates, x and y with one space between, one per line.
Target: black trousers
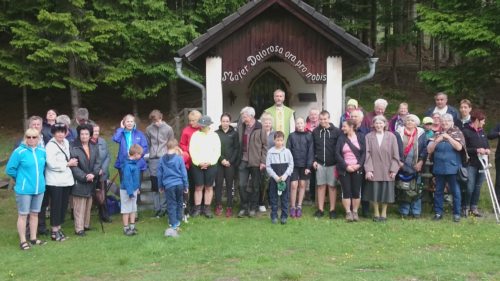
249 192
42 225
497 178
227 174
58 203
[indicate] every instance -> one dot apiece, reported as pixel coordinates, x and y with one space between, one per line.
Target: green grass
254 249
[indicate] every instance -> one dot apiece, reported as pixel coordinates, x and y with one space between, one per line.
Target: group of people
373 159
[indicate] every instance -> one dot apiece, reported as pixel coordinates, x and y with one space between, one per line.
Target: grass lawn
254 249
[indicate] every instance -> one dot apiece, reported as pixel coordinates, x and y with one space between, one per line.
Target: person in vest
412 143
446 148
283 116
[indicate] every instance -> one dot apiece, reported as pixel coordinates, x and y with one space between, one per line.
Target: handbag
100 192
463 174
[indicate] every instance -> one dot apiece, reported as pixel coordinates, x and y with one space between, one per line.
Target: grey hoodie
158 136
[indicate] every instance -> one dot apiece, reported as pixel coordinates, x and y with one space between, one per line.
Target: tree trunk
25 107
135 108
420 41
74 93
373 25
436 53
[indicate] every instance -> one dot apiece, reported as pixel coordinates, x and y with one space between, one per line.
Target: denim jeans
174 204
249 190
474 183
414 207
283 198
454 189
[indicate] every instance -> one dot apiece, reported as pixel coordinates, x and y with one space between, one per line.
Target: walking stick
491 188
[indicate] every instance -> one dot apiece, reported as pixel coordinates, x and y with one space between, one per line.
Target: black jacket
230 145
495 134
474 140
341 165
301 146
325 141
85 166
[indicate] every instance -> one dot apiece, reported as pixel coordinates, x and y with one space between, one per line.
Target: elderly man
253 152
312 120
442 107
379 109
358 116
283 116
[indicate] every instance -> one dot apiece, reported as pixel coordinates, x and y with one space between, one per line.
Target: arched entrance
262 88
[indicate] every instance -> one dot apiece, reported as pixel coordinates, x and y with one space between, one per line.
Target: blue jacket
131 176
122 155
26 166
172 172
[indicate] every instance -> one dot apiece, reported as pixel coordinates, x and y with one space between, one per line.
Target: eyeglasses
31 137
59 126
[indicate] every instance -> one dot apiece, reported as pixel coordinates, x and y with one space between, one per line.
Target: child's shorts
300 174
128 205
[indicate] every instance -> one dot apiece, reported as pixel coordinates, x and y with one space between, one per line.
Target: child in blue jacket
173 181
130 183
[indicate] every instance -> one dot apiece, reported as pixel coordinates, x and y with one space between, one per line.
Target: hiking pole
491 188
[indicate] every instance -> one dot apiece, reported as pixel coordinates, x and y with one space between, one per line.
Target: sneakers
333 214
274 220
262 209
229 212
437 217
218 210
319 214
207 212
156 214
475 212
283 221
349 217
196 211
456 218
129 232
293 212
465 212
355 216
242 213
170 232
298 213
252 213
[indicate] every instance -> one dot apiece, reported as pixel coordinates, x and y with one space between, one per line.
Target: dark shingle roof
253 8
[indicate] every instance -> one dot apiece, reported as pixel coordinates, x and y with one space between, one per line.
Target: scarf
411 141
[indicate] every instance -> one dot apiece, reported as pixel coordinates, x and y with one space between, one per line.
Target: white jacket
57 172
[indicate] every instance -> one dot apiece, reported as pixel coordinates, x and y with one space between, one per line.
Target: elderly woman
397 121
266 120
412 143
381 166
350 154
378 110
105 159
85 174
464 114
64 119
230 147
59 178
446 148
26 166
204 149
477 146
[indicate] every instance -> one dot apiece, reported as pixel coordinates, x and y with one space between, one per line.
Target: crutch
486 165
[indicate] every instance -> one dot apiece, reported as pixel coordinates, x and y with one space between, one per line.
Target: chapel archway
262 88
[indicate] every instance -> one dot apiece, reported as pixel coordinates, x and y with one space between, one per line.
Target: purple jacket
137 138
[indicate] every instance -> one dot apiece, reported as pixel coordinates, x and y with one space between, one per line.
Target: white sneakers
262 209
170 232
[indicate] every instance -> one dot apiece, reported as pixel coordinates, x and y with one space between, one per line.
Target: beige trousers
81 212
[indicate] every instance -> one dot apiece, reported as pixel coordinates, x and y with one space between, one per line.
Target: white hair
412 117
447 117
248 110
381 102
63 119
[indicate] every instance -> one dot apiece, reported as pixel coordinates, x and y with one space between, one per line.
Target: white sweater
57 172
